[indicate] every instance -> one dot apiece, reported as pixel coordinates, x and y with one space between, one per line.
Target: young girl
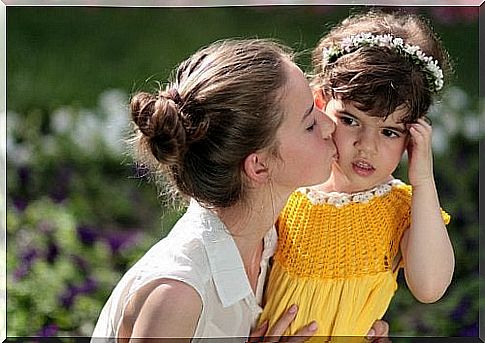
342 242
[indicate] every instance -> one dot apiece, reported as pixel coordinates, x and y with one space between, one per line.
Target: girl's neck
340 184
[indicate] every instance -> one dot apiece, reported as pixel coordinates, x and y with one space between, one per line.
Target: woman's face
305 143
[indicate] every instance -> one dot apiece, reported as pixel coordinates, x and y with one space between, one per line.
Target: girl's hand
379 332
419 153
262 334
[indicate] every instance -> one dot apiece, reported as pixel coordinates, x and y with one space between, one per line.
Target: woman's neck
248 222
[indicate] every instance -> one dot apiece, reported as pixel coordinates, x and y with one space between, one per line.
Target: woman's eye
312 126
390 133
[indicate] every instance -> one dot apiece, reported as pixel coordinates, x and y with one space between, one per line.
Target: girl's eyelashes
391 133
349 121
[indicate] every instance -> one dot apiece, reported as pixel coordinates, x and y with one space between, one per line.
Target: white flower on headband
414 52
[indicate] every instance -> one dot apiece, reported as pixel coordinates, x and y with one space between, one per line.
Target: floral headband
433 72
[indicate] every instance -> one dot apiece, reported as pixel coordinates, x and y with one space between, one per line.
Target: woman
236 131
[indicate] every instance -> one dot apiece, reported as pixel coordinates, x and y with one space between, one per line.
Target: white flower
62 119
352 43
383 189
366 197
471 126
338 201
357 198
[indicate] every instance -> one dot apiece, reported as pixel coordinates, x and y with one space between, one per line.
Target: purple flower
81 263
469 331
462 309
20 272
121 240
52 252
20 203
24 176
48 330
29 255
67 298
87 234
61 186
88 286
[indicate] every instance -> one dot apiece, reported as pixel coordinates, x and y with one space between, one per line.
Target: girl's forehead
351 107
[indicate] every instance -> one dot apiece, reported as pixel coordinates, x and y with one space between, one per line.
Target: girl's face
305 147
370 148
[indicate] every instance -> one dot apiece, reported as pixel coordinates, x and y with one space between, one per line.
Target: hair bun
173 95
160 122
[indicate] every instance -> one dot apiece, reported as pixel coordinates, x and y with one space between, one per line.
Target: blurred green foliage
79 214
68 55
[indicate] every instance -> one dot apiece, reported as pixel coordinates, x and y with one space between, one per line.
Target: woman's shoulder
181 254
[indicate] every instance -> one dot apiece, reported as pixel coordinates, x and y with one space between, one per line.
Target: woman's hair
380 79
222 104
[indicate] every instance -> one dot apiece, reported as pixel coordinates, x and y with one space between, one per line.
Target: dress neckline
339 199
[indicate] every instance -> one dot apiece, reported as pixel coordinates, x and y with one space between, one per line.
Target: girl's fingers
427 120
419 134
379 328
422 126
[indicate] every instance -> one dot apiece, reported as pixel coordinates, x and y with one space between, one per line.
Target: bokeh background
79 214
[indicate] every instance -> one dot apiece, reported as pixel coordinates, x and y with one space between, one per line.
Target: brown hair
379 79
222 104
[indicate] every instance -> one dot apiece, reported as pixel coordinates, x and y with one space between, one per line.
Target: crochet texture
335 258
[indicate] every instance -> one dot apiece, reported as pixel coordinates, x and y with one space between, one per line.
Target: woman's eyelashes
311 127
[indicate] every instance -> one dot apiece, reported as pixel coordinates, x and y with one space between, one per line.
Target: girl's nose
366 141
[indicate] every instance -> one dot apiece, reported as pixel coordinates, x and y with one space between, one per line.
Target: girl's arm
427 251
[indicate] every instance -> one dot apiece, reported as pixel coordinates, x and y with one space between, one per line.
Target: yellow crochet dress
335 258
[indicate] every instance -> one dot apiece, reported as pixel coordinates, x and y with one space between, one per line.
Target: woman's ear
319 99
256 167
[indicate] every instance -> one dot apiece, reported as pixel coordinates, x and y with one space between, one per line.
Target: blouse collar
225 262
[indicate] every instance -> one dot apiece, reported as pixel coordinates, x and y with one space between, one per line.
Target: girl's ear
319 99
256 167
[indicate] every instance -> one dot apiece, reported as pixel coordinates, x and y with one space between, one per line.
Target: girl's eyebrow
396 128
308 111
345 113
399 129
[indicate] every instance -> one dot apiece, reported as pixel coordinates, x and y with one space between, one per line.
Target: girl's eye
348 121
390 133
312 126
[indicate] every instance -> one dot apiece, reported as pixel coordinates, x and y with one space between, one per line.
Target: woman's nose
327 126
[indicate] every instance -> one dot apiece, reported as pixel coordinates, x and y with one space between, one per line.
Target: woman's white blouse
200 252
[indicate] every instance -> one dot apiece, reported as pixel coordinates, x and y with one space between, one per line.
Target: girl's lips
363 168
